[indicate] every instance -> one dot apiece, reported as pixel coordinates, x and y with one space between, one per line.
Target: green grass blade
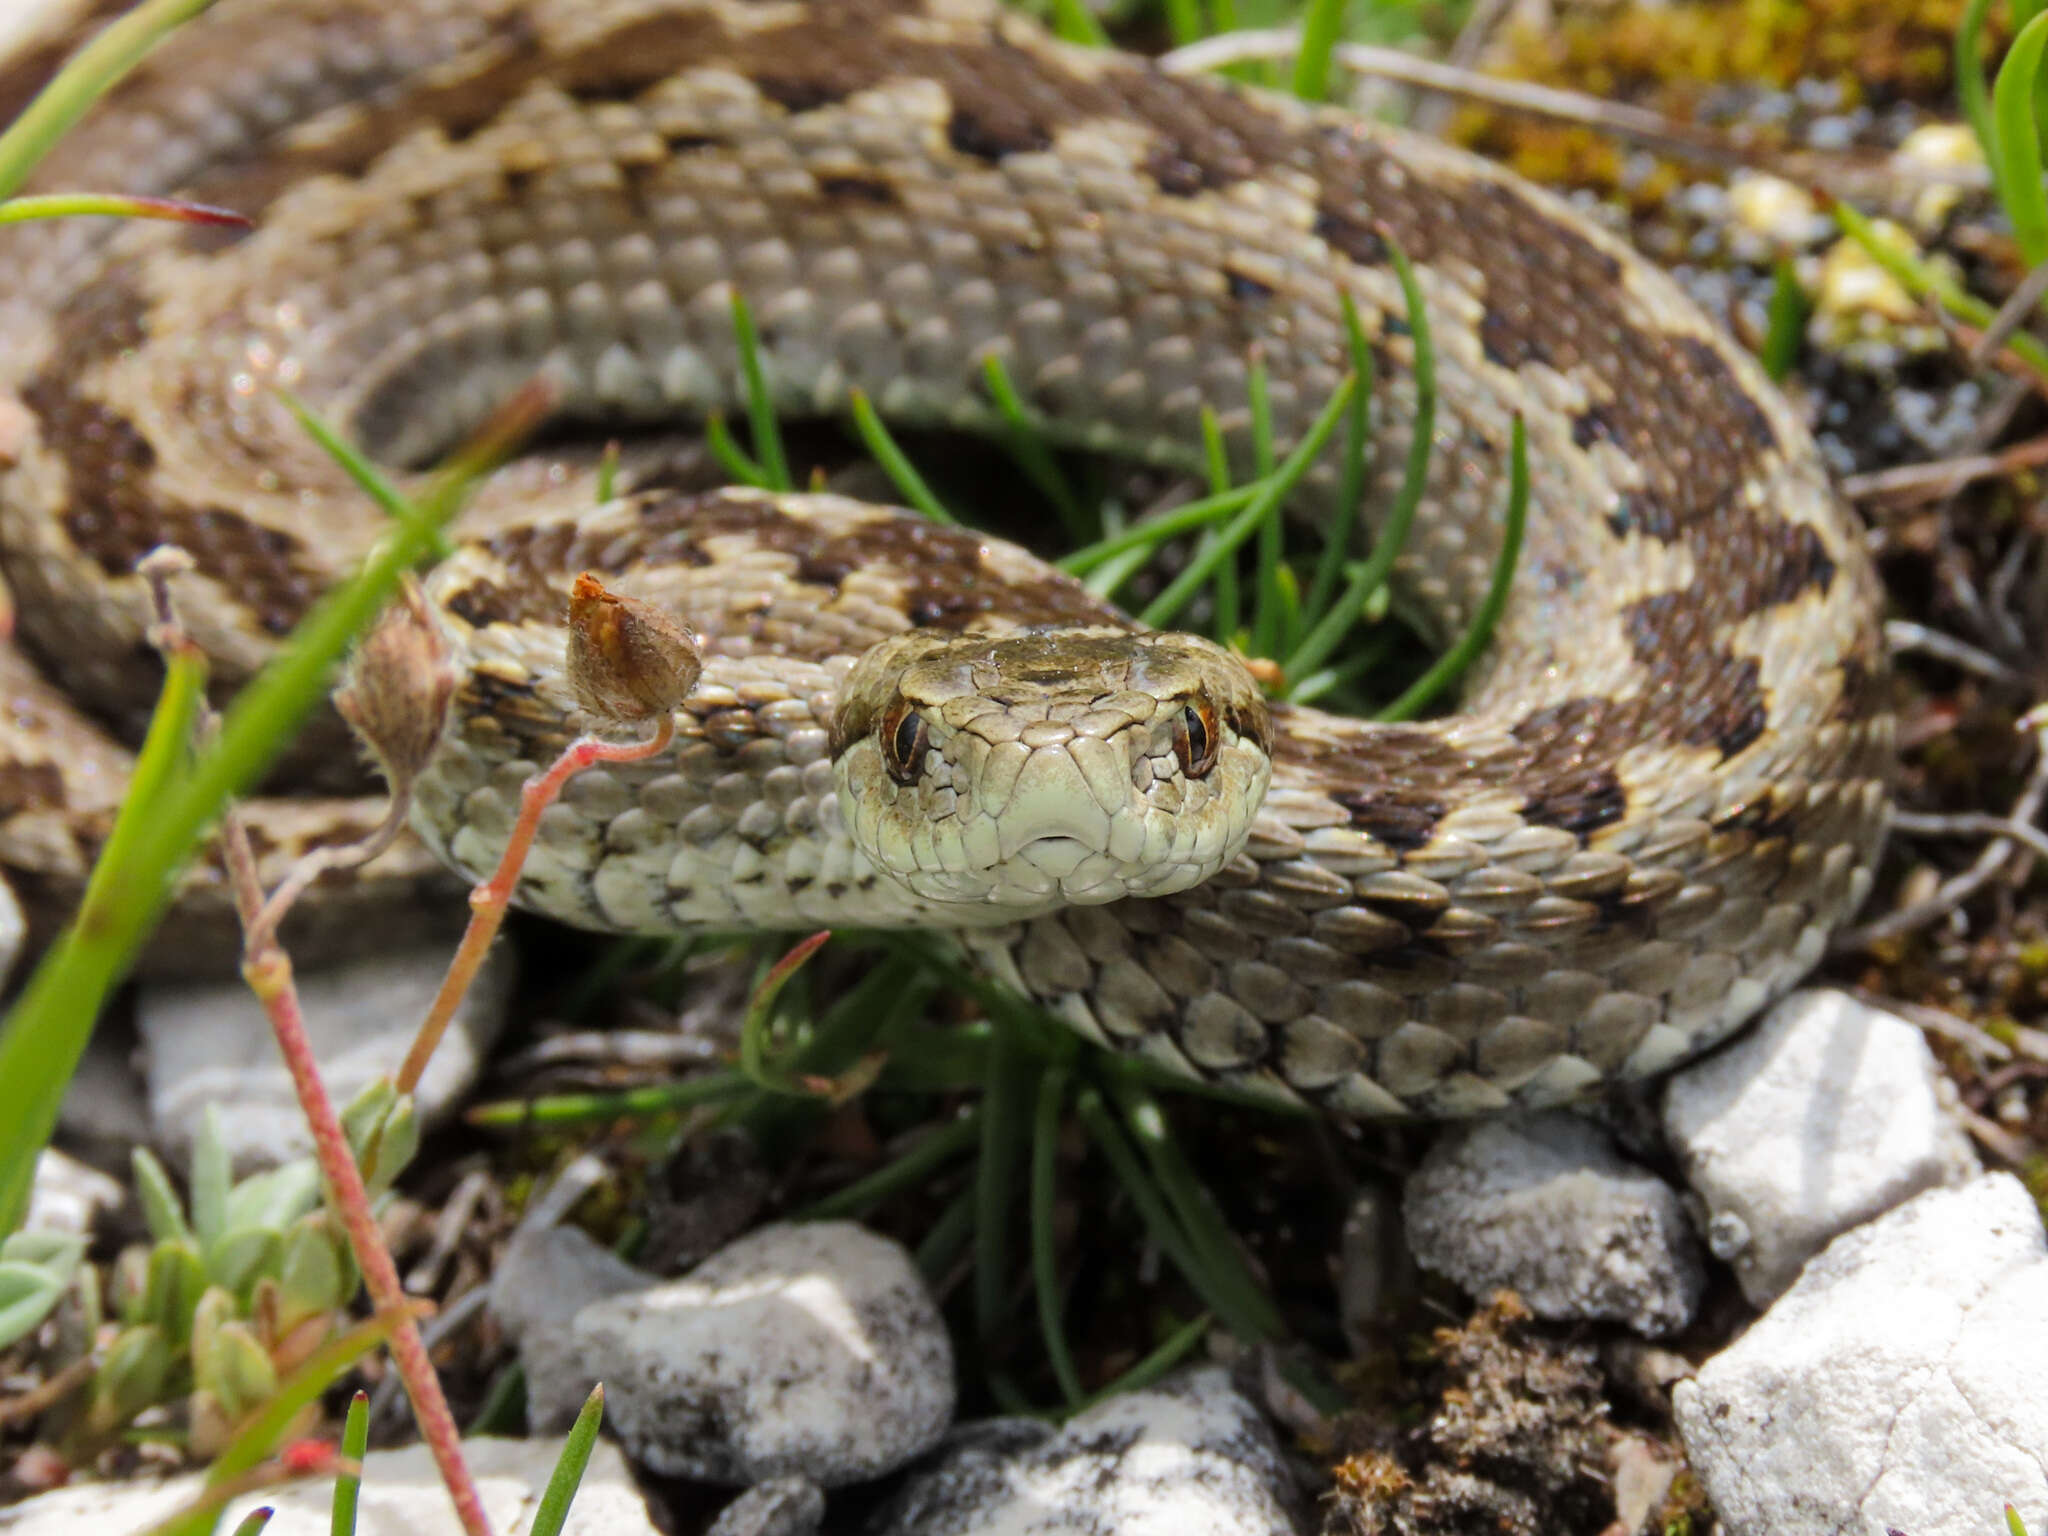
118 205
1012 1084
1266 628
933 1151
369 478
569 1467
1785 323
1336 621
2018 136
1045 1265
1028 447
94 71
1351 483
895 463
1171 1351
1146 535
1321 26
1184 22
1271 493
760 404
732 458
254 1522
348 1479
1073 21
1970 89
1454 661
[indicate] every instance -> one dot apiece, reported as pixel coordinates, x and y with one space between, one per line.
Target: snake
1663 786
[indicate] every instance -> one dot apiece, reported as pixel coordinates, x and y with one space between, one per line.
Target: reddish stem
488 902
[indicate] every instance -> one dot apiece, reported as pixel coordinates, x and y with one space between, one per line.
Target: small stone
782 1506
402 1495
1826 1114
1545 1206
812 1349
67 1196
1191 1457
210 1043
547 1276
1902 1382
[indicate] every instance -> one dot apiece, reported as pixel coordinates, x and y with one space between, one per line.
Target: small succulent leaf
366 1114
277 1198
177 1279
45 1248
309 1273
242 1375
397 1140
131 1378
28 1294
212 1178
131 1283
241 1254
160 1208
215 1311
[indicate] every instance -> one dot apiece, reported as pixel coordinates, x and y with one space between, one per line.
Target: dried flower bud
628 661
398 686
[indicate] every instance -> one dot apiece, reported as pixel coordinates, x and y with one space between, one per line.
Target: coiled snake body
1664 787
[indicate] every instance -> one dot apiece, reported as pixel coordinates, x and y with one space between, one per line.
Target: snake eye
905 740
1194 739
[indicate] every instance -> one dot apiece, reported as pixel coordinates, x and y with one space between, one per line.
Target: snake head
1057 767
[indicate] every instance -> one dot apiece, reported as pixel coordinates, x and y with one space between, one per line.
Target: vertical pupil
906 746
1198 740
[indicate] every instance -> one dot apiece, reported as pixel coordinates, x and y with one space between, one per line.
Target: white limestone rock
1190 1457
1901 1383
812 1350
1545 1206
1826 1114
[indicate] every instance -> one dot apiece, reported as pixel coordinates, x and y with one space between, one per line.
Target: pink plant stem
268 972
488 902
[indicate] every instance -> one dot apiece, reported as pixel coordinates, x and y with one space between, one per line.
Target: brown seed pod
628 661
398 684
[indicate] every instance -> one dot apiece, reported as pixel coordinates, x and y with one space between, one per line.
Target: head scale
1018 773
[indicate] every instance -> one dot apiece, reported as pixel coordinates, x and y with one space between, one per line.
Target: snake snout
1006 777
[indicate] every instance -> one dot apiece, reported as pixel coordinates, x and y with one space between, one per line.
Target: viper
1665 783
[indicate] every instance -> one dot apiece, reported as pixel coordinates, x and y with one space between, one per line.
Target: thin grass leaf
67 205
1785 322
1012 1085
947 1238
1272 492
608 472
1045 1267
1971 92
569 1467
1364 660
1174 1348
1146 535
1343 527
1454 661
754 1027
1925 281
1184 22
895 463
1216 457
369 478
932 1152
1073 21
760 404
253 1522
1158 1217
1330 629
561 1111
1029 448
2013 1523
1266 628
1321 25
2018 140
348 1477
732 458
1208 1234
93 71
